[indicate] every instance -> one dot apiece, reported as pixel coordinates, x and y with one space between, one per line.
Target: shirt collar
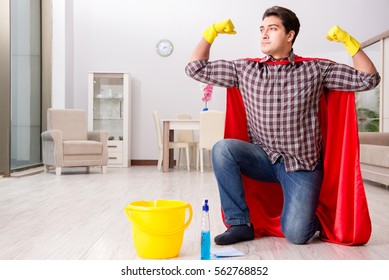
291 57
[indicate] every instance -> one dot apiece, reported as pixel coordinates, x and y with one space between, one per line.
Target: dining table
168 128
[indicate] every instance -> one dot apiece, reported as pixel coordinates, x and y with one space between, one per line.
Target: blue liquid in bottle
205 233
205 245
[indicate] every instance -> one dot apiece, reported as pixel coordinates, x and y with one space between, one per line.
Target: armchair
67 143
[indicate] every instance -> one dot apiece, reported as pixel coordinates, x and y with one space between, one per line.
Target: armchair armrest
100 136
52 149
374 138
52 135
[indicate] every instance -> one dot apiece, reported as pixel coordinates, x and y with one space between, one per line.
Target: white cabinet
109 108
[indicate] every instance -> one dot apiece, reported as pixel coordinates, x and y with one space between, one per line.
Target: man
281 100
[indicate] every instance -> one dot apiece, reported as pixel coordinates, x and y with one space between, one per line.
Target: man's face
274 40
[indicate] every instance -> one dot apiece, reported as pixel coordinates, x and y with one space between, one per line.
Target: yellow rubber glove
339 35
223 27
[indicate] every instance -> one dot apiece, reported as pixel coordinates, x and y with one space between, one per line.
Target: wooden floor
80 216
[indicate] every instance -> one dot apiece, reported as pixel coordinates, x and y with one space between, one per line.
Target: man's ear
291 35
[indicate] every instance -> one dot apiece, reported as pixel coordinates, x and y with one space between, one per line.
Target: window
368 102
372 106
25 83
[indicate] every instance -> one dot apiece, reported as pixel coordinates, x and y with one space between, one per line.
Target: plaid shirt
282 100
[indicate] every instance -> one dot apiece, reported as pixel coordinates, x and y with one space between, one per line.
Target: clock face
164 48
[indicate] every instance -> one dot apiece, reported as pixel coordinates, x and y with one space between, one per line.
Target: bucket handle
155 232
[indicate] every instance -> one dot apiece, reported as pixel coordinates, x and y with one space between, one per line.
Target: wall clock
164 48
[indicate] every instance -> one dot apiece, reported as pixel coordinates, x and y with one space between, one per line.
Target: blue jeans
231 158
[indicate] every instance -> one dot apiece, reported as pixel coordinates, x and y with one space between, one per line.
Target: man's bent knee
219 150
297 236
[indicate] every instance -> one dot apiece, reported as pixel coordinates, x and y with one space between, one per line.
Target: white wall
120 35
59 54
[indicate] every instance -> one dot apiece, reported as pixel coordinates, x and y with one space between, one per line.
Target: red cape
342 210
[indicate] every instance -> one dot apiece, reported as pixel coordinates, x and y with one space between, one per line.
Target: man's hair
288 18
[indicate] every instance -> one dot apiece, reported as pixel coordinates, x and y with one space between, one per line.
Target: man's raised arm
202 50
361 61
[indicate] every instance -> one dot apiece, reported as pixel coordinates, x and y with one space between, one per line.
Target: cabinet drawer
115 146
115 158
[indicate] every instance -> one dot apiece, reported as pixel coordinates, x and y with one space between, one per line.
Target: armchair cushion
72 123
77 147
375 156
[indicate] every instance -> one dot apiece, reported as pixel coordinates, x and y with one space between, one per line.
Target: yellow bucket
158 227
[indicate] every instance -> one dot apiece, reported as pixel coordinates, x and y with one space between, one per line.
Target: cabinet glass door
108 104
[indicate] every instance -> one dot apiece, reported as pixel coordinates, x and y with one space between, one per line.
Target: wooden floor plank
81 216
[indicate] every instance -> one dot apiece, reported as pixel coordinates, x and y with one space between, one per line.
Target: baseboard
144 162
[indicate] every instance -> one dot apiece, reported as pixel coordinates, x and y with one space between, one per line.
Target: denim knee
218 147
297 235
217 151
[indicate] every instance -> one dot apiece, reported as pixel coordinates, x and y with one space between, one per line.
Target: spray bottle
205 232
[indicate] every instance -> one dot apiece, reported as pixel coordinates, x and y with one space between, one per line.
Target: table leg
165 148
171 151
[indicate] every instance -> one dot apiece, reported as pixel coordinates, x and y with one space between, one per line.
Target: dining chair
184 135
211 130
172 144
